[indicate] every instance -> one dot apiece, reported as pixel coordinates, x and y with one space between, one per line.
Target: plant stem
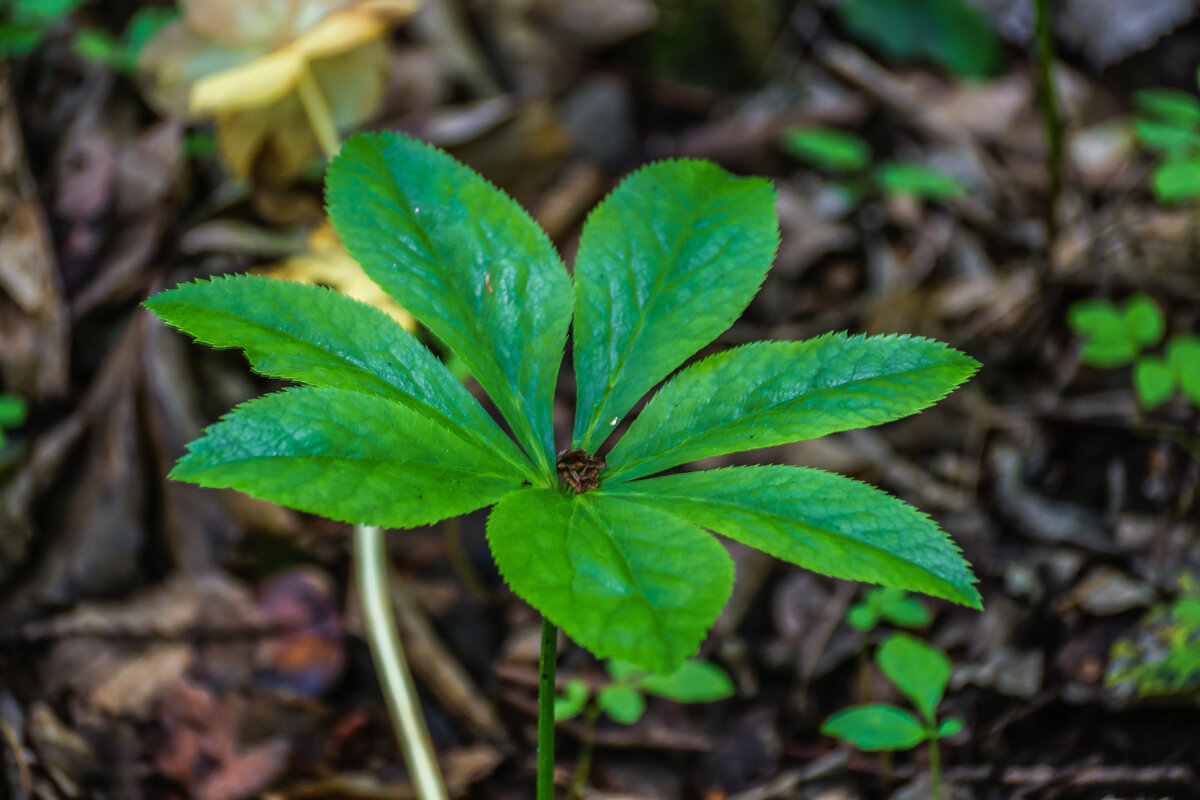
935 769
370 567
1051 122
320 116
545 728
583 765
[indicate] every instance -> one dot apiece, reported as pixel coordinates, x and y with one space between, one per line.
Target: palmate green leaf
351 457
320 337
821 521
467 261
771 393
666 263
876 727
623 580
919 670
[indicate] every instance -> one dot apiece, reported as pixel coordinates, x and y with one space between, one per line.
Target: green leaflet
350 457
623 703
920 671
467 262
666 263
694 682
821 521
771 393
323 338
620 579
876 727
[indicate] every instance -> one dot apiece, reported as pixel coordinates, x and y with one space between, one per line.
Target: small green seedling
13 412
921 673
1168 122
623 697
383 434
1161 655
24 24
850 157
121 53
887 604
1116 336
953 34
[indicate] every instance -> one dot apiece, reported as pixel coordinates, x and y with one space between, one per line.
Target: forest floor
160 640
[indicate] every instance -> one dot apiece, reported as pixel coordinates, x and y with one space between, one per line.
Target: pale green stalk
371 571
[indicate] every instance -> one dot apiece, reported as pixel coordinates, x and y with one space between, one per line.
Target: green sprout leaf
876 727
1164 136
468 263
1183 356
1107 342
1154 381
350 457
572 703
13 412
917 180
623 672
823 522
666 263
862 617
890 603
951 726
826 148
1170 106
19 38
772 393
1177 181
1144 320
920 671
335 342
952 33
694 682
623 580
623 703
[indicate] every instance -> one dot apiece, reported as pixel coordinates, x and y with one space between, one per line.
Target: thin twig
1052 123
370 564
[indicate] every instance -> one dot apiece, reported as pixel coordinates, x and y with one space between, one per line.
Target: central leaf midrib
515 400
398 395
619 472
651 496
597 413
594 515
375 460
